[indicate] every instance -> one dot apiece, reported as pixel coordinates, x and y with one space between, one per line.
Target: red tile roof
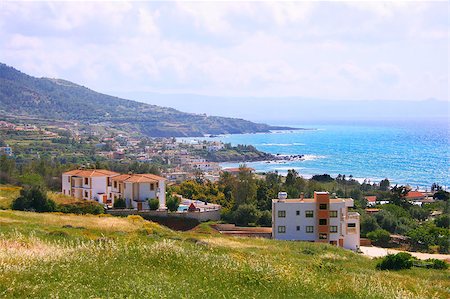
371 198
138 178
415 194
91 172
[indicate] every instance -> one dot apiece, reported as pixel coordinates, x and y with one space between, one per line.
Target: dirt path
373 251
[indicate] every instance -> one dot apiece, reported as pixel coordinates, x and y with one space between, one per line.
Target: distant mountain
57 99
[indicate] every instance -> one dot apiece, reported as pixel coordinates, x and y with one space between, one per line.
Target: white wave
312 157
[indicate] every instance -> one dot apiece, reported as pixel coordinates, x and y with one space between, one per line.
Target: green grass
9 192
69 256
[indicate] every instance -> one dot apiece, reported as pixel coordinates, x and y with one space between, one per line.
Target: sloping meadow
70 256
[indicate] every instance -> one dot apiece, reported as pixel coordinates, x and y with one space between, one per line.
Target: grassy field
69 256
9 192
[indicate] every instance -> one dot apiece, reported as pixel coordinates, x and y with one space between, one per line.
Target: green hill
58 99
68 256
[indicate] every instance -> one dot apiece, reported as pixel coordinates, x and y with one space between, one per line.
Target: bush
33 198
265 218
401 260
172 203
442 221
82 207
245 214
379 237
119 203
153 204
437 264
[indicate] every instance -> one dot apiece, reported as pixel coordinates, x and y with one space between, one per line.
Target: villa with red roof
371 201
415 195
105 186
137 189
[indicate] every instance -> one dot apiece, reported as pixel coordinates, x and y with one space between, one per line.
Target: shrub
442 221
172 203
245 214
379 237
153 204
119 203
401 260
82 207
33 198
265 218
437 264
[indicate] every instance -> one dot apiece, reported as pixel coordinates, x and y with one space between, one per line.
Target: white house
318 219
137 189
88 184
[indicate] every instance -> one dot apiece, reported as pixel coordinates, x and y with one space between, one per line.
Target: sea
411 153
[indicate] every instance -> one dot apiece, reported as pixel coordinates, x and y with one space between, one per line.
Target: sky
233 51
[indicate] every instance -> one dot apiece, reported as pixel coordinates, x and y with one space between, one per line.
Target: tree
398 196
290 177
384 185
441 195
245 214
153 204
368 224
265 218
442 221
172 202
119 203
380 237
33 198
245 189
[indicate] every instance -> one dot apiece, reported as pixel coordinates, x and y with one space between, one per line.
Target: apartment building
319 219
137 189
88 184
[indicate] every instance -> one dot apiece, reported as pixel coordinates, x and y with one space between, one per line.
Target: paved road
373 251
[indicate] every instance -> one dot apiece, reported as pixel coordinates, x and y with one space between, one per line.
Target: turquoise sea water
408 153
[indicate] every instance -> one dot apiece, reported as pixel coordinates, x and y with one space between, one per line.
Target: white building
137 189
318 219
88 184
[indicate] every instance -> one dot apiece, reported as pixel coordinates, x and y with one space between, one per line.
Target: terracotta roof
371 198
414 194
91 172
138 178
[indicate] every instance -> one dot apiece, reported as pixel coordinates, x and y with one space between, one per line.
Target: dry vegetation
70 256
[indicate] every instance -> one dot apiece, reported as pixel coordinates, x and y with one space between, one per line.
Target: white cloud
332 50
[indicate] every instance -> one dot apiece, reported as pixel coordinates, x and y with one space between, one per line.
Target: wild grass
69 256
9 192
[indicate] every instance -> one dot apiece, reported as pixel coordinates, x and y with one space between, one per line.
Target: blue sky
326 50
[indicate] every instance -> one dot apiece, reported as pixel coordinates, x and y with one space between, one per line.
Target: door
139 206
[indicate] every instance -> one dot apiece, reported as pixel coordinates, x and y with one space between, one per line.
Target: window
86 181
86 194
323 236
157 185
309 214
351 225
297 213
152 187
115 184
282 214
298 227
322 206
322 221
333 214
68 179
333 229
281 229
310 229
